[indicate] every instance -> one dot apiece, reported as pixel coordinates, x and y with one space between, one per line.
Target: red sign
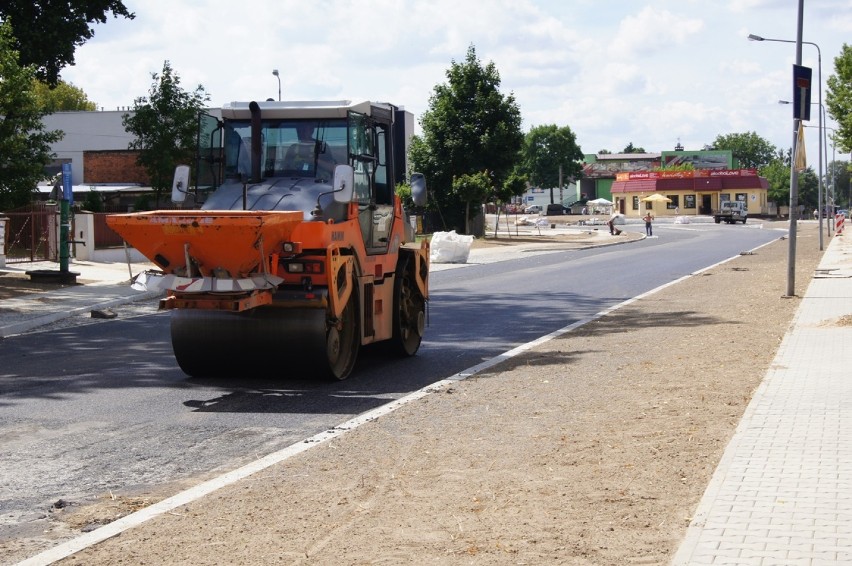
698 173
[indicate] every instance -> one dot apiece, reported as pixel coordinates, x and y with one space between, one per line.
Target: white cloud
652 31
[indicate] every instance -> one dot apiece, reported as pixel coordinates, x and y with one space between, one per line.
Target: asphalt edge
47 319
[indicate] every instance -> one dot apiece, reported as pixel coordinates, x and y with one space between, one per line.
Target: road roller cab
290 239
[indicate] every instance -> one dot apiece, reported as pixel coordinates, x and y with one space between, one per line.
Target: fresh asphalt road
90 410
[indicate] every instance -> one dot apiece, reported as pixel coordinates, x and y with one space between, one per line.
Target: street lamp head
784 102
277 76
752 37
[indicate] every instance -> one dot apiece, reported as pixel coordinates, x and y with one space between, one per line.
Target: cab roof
301 108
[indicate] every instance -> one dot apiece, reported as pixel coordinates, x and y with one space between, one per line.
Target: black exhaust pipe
254 107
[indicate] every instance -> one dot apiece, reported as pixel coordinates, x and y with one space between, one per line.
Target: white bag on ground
449 247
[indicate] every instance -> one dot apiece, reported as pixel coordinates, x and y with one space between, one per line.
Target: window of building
689 201
675 202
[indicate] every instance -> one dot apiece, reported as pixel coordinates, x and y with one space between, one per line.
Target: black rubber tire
343 340
409 311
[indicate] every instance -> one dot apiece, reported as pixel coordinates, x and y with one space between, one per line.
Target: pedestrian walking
649 229
611 223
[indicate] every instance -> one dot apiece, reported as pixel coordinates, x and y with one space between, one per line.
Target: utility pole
794 175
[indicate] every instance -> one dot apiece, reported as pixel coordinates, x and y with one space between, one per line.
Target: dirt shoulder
593 448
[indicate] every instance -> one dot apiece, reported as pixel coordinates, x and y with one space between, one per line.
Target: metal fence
33 234
29 234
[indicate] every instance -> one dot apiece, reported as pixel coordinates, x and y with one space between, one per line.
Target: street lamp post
277 76
753 37
794 175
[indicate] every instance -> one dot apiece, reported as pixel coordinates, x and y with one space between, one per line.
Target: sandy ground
593 448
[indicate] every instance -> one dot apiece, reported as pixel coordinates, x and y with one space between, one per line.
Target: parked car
556 209
844 212
533 209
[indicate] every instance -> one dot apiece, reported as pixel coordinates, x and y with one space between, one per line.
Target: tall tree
838 98
24 143
471 189
630 148
64 97
841 177
808 189
777 174
48 33
751 150
469 127
165 124
549 150
515 185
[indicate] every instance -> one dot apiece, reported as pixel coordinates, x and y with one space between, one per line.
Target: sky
653 73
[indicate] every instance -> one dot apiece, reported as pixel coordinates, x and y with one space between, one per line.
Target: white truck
731 211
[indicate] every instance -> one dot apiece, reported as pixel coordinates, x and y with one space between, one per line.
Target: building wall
566 196
603 188
691 193
113 167
84 132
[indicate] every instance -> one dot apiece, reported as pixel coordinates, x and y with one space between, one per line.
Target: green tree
403 191
93 202
24 143
808 189
514 186
786 157
777 174
48 33
164 125
749 149
546 149
631 149
62 98
839 174
471 189
469 127
838 98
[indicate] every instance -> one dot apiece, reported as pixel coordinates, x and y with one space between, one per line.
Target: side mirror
180 184
418 189
343 184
